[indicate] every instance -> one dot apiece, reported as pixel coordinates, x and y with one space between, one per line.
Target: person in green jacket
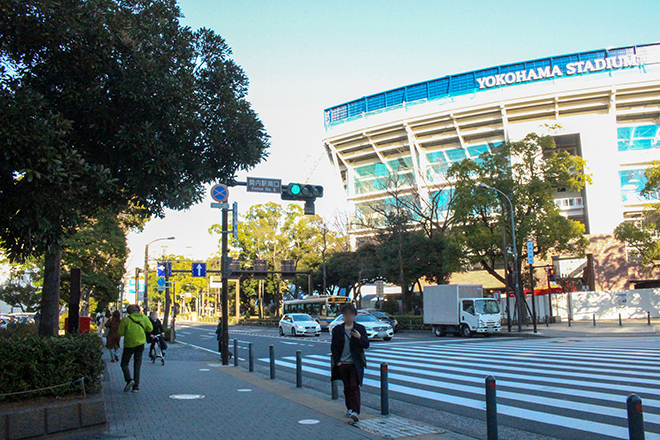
134 329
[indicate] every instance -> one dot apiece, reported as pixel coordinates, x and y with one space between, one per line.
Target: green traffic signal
295 189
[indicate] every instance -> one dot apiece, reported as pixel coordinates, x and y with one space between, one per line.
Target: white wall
609 303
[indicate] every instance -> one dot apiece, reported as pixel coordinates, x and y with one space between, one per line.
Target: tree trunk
50 295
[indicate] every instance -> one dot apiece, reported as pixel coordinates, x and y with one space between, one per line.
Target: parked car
374 327
299 324
383 317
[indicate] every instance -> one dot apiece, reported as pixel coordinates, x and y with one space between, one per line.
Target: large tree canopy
110 103
529 171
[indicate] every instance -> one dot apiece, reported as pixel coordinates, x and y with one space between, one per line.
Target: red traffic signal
551 274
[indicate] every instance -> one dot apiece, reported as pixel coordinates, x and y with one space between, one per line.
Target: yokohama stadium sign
575 68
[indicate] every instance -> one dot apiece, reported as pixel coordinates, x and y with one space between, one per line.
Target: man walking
134 329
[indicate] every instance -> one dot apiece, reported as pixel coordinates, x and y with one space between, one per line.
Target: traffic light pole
225 288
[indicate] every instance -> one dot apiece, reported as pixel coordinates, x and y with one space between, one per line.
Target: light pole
146 272
515 253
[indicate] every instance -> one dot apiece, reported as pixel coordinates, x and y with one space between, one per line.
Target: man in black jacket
348 360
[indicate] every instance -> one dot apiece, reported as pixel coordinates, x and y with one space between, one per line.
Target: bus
322 308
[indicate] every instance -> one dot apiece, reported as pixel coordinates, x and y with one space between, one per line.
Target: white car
374 327
299 324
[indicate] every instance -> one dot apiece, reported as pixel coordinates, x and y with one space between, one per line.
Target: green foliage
642 236
391 305
529 172
23 287
111 104
99 249
28 362
273 233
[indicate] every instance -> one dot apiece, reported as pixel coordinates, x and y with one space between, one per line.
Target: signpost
161 284
530 261
261 185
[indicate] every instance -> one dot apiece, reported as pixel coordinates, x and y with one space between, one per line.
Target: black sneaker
128 386
136 388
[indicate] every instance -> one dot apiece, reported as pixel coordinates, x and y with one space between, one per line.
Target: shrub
29 362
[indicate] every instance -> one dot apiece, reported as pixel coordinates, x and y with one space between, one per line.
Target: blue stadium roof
464 83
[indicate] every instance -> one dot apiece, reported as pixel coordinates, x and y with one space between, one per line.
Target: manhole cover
308 421
244 390
187 396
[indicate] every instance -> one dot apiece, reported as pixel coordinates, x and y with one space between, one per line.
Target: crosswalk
564 388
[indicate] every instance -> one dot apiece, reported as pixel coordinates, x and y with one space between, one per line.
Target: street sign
161 282
530 252
163 269
261 185
216 282
199 270
220 193
219 205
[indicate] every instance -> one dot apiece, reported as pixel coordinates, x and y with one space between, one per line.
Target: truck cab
480 315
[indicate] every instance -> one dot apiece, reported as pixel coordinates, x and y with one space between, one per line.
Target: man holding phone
348 359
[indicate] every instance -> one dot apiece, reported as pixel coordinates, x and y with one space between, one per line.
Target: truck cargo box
441 303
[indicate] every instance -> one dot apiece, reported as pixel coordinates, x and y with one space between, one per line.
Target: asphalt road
562 388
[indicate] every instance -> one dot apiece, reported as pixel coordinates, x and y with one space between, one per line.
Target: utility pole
225 288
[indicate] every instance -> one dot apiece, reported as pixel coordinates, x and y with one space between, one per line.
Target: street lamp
146 271
515 253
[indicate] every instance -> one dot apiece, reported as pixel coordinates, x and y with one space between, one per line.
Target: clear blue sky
304 56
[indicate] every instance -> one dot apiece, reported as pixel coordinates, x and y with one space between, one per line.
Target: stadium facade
606 101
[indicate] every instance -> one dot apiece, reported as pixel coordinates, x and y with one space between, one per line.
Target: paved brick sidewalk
224 413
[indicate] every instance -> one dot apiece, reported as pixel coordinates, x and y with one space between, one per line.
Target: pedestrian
103 326
113 339
349 340
155 335
134 329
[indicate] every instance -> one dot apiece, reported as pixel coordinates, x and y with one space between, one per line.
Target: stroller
157 350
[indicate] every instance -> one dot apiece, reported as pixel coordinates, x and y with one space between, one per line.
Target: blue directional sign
220 193
199 270
164 268
161 282
530 252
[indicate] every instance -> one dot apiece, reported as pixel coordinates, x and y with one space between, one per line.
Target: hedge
29 362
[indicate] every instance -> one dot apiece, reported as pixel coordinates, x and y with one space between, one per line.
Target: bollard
635 417
491 408
271 352
298 369
384 390
594 316
235 352
648 318
620 323
333 383
250 357
569 320
547 321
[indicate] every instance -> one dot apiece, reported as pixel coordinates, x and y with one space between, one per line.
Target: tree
642 236
99 249
106 103
529 172
272 233
23 287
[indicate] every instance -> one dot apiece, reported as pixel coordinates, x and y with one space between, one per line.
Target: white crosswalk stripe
574 386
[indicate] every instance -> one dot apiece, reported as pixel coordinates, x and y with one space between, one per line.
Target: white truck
461 309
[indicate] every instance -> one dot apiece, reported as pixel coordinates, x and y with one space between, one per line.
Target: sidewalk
582 329
236 405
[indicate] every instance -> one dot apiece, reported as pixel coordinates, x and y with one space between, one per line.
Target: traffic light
551 274
304 192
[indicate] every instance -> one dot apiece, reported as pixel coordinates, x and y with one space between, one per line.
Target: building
607 102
